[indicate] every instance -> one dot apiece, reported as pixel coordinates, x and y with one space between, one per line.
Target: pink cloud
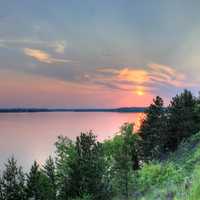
143 80
43 57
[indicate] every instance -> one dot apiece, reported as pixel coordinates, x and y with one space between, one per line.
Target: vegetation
153 130
160 161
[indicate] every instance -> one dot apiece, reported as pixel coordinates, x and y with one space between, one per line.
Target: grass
177 178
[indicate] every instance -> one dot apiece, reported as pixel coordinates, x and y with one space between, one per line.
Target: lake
31 136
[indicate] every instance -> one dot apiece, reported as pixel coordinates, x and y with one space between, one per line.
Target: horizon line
40 109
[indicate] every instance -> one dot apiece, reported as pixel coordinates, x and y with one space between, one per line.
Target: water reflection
31 136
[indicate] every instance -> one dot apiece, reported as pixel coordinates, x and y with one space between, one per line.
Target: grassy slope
177 178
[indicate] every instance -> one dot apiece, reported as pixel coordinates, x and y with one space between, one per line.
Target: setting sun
139 92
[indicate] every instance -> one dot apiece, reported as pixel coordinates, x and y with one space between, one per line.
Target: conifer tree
13 182
184 119
87 169
1 190
50 173
37 184
153 130
33 182
65 155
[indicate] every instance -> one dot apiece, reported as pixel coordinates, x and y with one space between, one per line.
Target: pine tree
65 155
13 182
88 169
33 182
153 130
1 189
37 184
184 119
50 173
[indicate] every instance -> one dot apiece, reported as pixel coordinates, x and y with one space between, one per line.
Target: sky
108 53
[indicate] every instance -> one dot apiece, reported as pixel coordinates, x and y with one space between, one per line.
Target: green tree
65 155
126 158
33 183
88 169
50 172
153 130
183 119
37 184
1 190
12 182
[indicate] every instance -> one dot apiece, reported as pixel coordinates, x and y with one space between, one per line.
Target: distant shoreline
34 110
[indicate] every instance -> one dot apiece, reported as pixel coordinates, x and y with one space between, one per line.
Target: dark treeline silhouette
24 110
165 128
89 170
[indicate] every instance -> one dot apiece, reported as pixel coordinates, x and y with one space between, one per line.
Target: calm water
31 136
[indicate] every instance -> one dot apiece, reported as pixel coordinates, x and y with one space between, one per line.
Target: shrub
194 192
156 174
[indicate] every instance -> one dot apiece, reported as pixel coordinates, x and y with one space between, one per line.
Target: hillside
176 178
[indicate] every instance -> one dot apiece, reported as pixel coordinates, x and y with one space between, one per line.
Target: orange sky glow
30 90
97 53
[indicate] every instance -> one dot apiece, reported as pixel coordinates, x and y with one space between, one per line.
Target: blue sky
97 53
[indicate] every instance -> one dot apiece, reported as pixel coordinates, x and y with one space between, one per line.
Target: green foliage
33 182
1 189
194 190
81 168
187 155
164 129
153 129
156 174
84 197
88 169
65 152
65 155
175 178
12 182
49 172
124 150
184 119
38 185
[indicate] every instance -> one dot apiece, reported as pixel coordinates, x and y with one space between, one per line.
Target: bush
156 174
194 191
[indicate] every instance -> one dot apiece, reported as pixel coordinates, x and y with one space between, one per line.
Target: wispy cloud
43 57
139 80
167 75
58 46
134 75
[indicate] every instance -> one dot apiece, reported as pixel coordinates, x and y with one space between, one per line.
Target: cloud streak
168 76
140 81
58 46
43 57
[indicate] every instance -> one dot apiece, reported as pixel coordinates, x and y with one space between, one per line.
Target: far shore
119 110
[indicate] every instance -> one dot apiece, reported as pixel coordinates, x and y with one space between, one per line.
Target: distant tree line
90 170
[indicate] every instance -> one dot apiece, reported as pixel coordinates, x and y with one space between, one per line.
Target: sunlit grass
177 178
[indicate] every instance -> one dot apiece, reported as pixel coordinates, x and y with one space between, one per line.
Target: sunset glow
138 122
97 97
140 91
95 58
